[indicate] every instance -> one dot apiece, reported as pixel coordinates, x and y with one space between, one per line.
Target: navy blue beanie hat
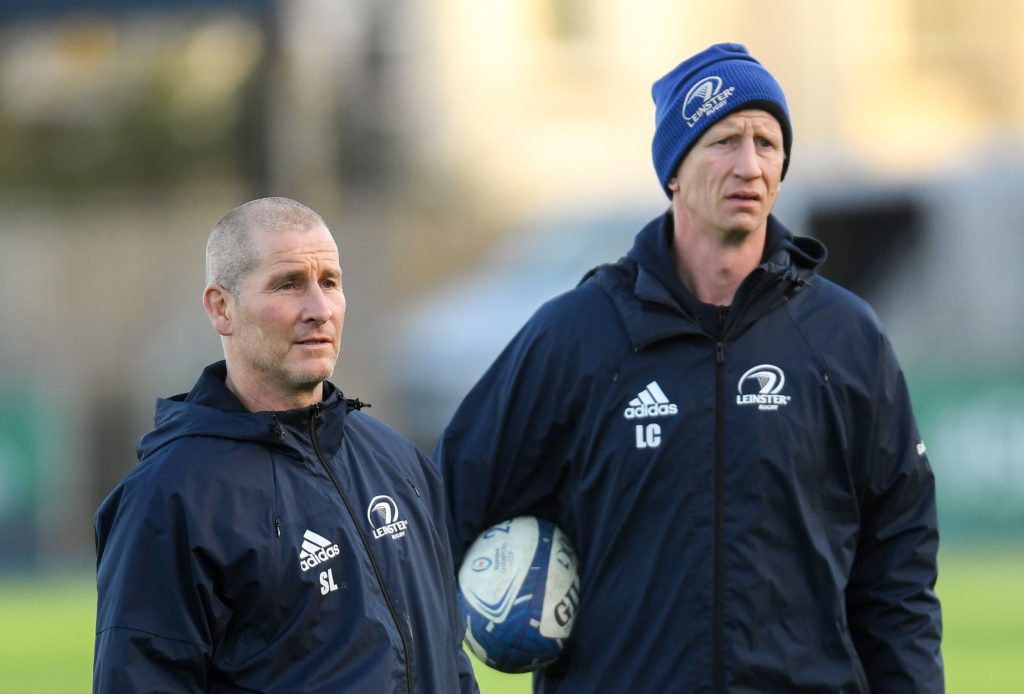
702 90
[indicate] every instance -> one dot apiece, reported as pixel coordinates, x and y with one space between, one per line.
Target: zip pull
356 404
277 526
719 353
314 417
723 313
796 283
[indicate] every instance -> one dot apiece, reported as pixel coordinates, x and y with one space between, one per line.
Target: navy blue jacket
298 551
751 501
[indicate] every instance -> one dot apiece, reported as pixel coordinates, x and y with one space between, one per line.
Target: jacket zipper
721 336
718 676
725 328
314 415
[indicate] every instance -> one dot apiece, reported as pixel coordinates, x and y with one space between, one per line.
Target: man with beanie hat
726 435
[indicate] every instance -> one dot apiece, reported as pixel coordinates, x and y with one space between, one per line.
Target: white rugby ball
519 590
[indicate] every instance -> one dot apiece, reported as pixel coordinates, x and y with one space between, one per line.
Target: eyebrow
719 129
299 273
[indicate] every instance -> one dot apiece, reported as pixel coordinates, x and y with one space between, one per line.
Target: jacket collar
657 305
211 409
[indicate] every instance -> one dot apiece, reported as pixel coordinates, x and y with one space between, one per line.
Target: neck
712 266
255 396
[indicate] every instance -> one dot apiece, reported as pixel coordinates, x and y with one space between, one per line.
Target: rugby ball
519 589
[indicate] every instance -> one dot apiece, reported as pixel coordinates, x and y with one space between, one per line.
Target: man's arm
503 453
894 613
150 617
456 627
128 660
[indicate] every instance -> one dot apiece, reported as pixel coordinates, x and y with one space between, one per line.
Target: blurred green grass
46 628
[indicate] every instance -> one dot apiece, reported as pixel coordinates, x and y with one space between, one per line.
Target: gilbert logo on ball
519 592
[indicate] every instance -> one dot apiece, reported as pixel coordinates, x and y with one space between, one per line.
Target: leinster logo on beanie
702 90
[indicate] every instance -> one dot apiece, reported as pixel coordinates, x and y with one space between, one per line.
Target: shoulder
378 437
391 452
571 335
572 323
826 300
151 494
581 305
170 465
198 458
375 431
841 322
194 470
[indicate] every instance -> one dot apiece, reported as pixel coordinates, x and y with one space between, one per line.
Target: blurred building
427 131
540 100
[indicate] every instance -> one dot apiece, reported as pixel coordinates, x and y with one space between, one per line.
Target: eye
329 284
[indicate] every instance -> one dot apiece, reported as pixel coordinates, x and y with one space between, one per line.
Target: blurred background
473 160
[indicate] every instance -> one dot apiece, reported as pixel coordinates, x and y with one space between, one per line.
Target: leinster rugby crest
383 516
762 386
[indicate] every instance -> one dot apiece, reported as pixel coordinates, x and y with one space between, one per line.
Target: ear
220 306
673 184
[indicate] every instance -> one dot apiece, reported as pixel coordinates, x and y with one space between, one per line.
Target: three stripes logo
650 402
316 549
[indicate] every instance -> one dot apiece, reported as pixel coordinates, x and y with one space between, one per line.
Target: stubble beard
272 365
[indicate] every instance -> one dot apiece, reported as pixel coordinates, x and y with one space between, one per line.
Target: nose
747 164
317 308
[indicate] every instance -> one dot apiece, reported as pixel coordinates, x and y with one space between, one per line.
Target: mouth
744 197
315 342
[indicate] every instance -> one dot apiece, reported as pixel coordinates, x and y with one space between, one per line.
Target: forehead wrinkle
301 252
742 120
321 263
300 256
316 266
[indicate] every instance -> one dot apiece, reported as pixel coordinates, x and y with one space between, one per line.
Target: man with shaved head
273 538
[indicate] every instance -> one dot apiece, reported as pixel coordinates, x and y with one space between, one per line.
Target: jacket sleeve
128 660
154 607
505 450
893 611
463 666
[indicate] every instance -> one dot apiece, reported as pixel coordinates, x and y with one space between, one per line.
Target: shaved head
231 250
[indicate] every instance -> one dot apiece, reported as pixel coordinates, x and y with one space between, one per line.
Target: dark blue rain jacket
753 506
299 551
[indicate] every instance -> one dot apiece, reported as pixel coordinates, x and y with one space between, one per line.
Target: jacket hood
652 250
657 298
784 250
211 409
